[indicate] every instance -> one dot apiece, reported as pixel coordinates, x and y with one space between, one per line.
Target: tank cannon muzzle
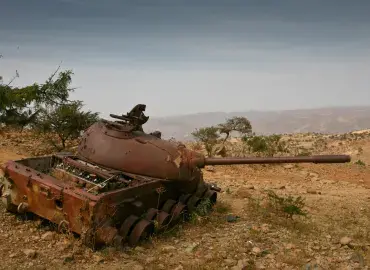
275 160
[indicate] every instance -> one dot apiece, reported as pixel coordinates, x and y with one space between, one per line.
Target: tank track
136 229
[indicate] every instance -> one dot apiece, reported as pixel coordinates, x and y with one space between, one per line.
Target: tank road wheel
127 226
151 214
178 211
193 202
163 219
168 205
142 230
184 198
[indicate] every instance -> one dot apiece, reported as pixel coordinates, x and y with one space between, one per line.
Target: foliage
66 121
360 162
266 145
288 206
21 106
239 124
209 136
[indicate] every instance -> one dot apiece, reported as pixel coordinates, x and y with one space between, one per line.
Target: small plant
360 162
203 207
288 206
266 145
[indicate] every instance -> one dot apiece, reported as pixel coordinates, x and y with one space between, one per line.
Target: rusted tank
122 185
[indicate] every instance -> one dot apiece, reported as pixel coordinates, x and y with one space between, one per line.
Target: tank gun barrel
275 160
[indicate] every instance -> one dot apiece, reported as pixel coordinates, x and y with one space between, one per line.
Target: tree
239 124
66 121
21 106
209 136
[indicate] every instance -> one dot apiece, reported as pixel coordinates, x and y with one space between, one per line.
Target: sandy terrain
241 233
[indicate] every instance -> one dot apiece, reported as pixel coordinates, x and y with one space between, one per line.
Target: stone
168 248
229 262
290 246
30 253
256 250
68 258
48 236
191 247
311 191
98 259
345 240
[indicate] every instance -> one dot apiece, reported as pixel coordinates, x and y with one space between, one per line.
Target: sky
183 57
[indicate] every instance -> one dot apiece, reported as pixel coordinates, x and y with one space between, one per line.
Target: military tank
122 185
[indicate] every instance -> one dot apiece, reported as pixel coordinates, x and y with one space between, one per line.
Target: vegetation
45 108
266 145
238 124
211 136
66 121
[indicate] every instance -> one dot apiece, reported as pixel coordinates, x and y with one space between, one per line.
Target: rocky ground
243 232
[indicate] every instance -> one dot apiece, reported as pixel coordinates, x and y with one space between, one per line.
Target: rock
168 248
345 240
68 258
256 251
210 168
288 166
290 246
265 227
139 249
311 191
232 218
98 258
180 267
313 175
191 247
229 262
48 236
13 255
30 253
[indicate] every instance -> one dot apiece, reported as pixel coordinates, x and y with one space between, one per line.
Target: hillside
323 120
244 232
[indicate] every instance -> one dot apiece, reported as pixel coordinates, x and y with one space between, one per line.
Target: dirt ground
241 233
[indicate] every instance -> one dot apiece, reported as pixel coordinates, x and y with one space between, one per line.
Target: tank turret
123 145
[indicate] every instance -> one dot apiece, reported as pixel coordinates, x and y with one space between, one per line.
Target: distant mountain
324 120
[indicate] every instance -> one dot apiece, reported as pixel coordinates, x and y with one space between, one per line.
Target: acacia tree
66 121
239 124
21 106
209 136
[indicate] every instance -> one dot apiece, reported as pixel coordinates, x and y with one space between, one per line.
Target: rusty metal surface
271 160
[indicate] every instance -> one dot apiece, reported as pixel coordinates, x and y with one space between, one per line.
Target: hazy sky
190 56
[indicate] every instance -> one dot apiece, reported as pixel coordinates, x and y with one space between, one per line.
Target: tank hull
102 215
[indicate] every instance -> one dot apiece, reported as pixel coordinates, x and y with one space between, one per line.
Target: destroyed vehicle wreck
122 185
